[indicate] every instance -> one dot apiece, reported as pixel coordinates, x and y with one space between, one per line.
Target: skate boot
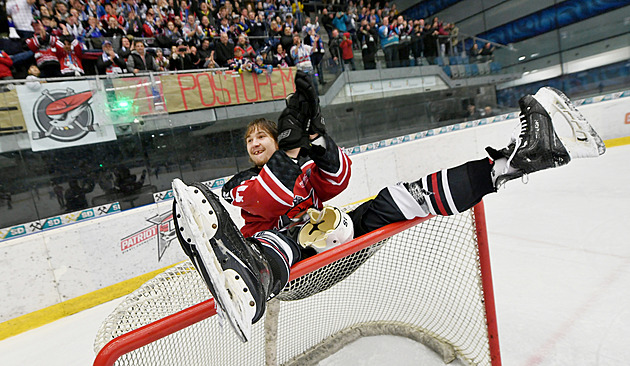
583 141
234 268
537 147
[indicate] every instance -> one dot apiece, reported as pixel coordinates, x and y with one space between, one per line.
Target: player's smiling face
260 146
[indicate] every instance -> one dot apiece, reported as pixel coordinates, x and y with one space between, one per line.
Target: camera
182 49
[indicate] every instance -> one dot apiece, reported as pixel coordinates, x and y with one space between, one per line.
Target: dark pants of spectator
22 57
320 72
335 66
257 44
369 61
391 56
350 62
403 54
417 48
25 34
50 71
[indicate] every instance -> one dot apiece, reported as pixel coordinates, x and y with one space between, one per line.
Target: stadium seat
455 71
495 67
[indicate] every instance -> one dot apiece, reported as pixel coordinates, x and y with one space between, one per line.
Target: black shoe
536 148
234 269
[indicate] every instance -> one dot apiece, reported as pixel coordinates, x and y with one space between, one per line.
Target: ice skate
537 147
234 269
584 142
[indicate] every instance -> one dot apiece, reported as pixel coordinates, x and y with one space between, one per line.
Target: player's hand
309 103
291 129
305 88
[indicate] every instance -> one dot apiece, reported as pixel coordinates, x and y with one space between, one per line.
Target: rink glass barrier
149 145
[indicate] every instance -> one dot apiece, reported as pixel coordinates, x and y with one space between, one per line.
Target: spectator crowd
52 38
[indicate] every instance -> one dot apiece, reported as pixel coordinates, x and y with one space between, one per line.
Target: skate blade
194 210
235 304
227 286
584 142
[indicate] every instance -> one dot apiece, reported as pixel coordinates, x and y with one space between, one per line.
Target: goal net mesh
423 283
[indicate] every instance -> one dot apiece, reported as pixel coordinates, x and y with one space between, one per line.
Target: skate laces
517 139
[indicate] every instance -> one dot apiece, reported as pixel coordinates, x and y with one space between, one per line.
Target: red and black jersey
46 50
283 189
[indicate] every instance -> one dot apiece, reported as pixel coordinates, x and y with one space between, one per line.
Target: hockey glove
291 130
317 124
305 88
309 103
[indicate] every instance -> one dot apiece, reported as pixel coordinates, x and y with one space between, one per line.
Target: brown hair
262 124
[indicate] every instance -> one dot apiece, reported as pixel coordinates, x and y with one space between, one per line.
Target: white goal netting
424 283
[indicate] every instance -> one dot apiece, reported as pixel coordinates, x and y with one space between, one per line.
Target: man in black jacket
327 22
223 50
256 31
368 36
286 40
140 60
334 44
110 62
180 60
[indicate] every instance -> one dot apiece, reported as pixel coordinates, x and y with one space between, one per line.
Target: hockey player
298 166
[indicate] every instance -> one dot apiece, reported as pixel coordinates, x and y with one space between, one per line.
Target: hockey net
425 279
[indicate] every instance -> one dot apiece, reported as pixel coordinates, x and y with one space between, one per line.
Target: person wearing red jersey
298 166
5 66
70 56
110 12
46 48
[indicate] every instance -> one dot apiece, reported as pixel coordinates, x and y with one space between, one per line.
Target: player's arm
331 172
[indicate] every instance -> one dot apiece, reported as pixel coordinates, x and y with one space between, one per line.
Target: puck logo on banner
61 117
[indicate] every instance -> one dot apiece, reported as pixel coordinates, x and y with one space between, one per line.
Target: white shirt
20 12
302 57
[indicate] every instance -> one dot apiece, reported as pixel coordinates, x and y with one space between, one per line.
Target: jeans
320 72
351 62
22 57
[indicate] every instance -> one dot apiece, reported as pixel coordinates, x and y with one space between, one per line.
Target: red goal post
456 316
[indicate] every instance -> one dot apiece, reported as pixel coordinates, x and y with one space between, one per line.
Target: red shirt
46 54
71 61
5 65
346 49
283 189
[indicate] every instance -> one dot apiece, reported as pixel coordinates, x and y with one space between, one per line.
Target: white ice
560 249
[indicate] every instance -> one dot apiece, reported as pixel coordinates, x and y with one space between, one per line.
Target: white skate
584 141
201 229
